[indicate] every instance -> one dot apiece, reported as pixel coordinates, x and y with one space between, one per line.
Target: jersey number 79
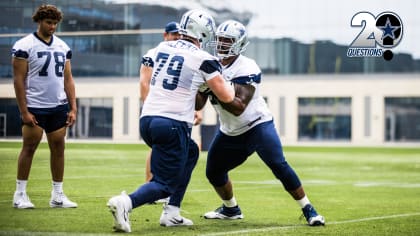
173 72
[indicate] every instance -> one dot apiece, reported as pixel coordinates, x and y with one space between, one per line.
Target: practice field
360 191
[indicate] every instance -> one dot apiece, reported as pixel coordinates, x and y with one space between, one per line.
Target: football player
45 95
246 126
146 68
181 67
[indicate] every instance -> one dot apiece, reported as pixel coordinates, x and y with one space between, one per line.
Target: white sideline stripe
298 226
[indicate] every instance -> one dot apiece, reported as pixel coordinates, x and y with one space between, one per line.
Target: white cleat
60 200
22 201
171 217
120 206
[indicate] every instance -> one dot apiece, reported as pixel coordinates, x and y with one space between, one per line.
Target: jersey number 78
59 59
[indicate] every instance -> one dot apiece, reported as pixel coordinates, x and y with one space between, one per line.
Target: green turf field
360 191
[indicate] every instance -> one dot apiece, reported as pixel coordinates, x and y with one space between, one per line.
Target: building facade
315 92
353 109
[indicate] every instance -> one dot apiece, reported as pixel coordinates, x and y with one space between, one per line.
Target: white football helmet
200 25
231 39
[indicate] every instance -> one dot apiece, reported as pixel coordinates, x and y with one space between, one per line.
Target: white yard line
267 229
248 231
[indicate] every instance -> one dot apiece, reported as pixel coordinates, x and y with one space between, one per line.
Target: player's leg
31 136
152 130
56 145
269 148
55 129
149 176
225 153
169 143
148 172
193 153
171 212
171 165
225 191
121 205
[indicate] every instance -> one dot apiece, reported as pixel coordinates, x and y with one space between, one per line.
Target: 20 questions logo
382 32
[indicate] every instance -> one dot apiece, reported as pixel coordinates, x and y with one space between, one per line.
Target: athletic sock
57 187
303 202
21 185
173 210
230 203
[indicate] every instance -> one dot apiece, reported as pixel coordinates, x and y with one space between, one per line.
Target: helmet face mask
224 46
231 39
199 25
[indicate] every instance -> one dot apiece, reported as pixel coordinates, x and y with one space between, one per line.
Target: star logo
378 34
388 29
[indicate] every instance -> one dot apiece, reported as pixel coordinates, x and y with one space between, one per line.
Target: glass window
10 124
108 38
94 118
324 118
402 118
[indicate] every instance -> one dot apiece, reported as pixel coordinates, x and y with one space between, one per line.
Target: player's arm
20 70
221 89
145 77
70 90
243 95
200 100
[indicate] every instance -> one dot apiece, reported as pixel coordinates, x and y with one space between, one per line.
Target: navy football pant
227 152
174 156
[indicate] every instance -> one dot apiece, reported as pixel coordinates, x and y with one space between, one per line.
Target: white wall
356 86
377 87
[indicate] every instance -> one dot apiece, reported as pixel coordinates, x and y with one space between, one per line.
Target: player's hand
29 119
71 118
198 117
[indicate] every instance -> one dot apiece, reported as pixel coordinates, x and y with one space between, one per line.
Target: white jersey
147 59
180 68
45 79
243 71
